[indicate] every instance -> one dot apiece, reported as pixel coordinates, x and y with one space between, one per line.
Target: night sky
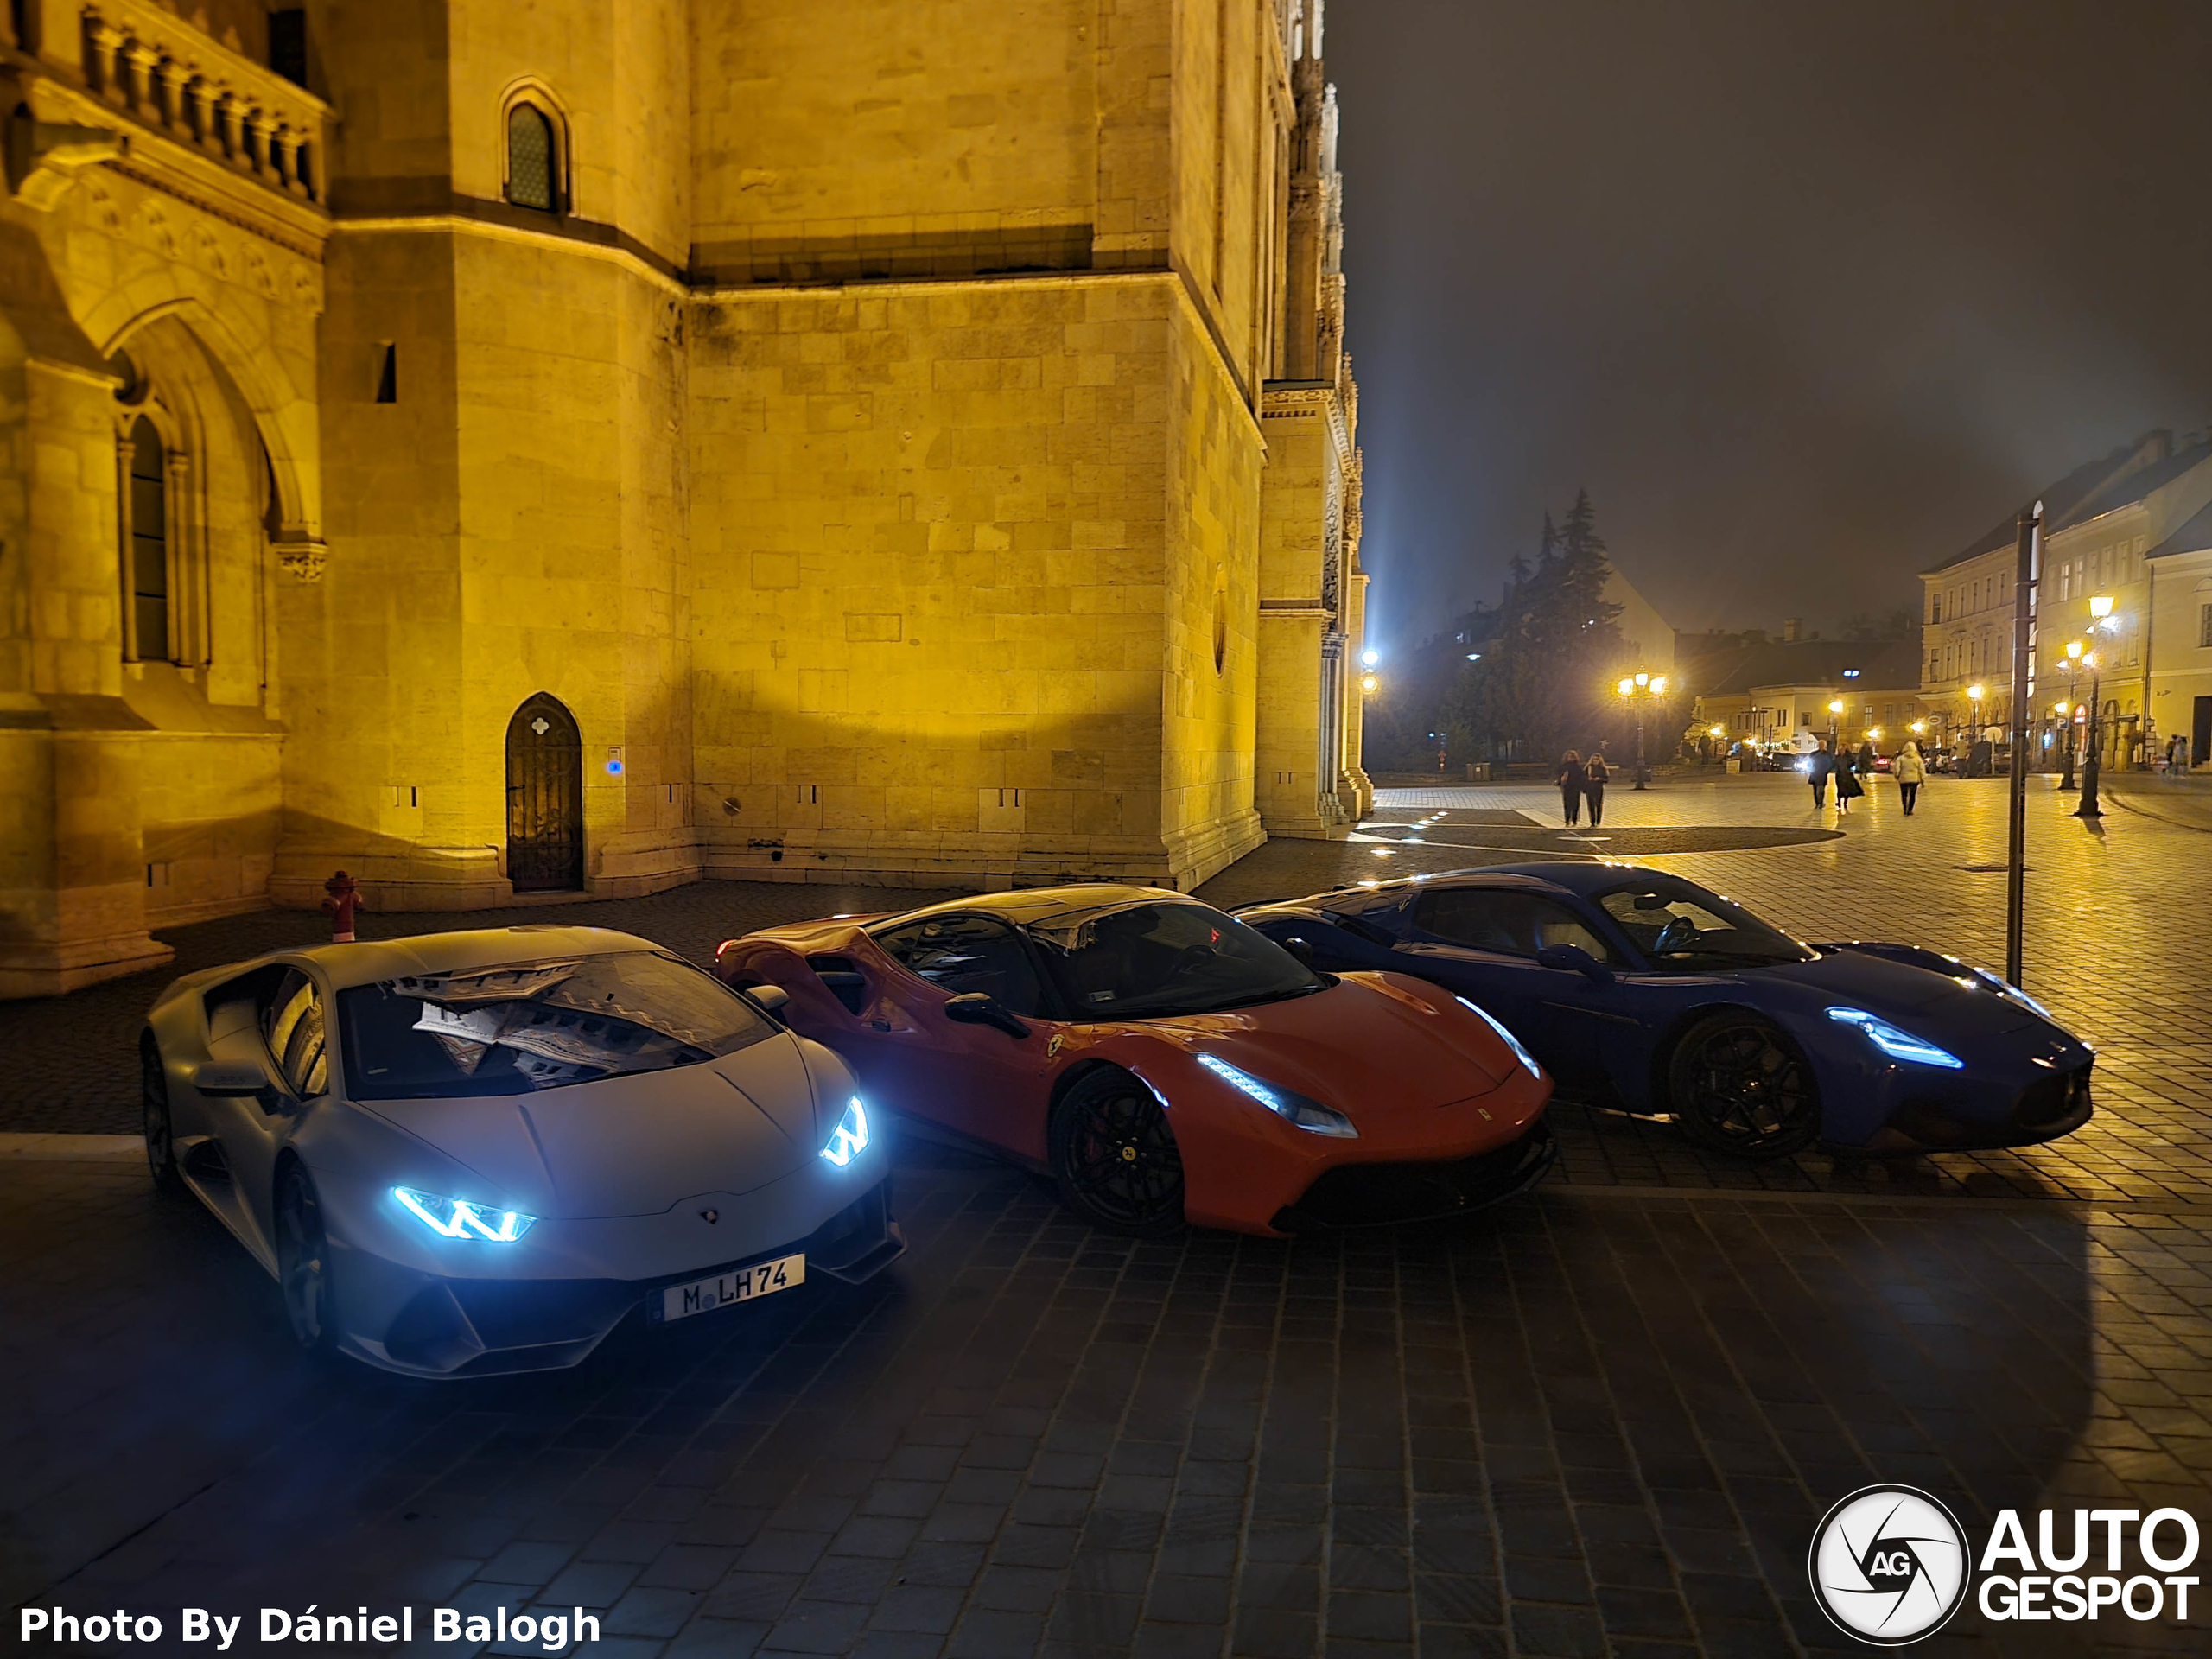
1809 296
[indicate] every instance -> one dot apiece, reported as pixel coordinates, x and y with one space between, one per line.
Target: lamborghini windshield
1681 928
1141 961
517 1028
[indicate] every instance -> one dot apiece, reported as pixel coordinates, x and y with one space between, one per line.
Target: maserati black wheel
1115 1156
1740 1086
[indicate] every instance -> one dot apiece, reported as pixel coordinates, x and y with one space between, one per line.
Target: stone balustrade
158 68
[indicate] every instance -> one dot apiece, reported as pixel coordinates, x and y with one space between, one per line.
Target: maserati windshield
1136 960
524 1026
1681 928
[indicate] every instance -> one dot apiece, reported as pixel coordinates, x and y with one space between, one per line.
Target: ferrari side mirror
975 1008
1574 959
1300 951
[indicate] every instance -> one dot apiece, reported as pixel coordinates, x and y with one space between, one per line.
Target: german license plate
738 1285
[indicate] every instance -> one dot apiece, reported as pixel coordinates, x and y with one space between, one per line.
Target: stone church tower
509 452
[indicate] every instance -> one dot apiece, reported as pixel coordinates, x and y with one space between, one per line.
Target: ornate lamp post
1639 689
2071 706
1835 708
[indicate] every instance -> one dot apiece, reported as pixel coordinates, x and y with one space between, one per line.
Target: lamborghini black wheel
153 1117
303 1259
1115 1156
1740 1086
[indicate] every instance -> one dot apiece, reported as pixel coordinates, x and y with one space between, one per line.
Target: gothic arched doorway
545 797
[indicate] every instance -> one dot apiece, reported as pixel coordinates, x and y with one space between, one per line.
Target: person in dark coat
1819 766
1595 776
1867 760
1847 786
1570 780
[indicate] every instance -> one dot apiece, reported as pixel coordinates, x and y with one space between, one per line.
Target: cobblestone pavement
1600 1421
1588 1423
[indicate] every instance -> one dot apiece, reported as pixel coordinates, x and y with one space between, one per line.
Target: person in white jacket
1909 772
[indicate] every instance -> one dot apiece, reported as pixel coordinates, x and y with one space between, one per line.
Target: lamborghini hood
635 1145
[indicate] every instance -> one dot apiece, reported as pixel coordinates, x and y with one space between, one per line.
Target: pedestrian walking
1910 771
1866 759
1571 777
1847 786
1819 766
1595 776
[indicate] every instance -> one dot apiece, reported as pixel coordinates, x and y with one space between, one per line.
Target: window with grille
147 554
2204 626
531 172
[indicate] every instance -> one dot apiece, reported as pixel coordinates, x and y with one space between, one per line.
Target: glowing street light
1639 689
1370 657
2100 608
1835 708
2074 650
1368 682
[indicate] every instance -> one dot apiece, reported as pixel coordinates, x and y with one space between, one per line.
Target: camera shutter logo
1889 1565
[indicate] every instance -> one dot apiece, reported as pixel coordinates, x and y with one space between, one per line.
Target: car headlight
1511 1041
1292 1108
850 1138
1897 1044
458 1219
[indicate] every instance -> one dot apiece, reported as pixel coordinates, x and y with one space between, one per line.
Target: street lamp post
1974 695
2074 649
2100 614
1638 689
1835 708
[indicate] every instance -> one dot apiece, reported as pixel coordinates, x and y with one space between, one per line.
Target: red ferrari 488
1164 1063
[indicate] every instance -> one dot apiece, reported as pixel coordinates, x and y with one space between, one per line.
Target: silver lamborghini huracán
466 1153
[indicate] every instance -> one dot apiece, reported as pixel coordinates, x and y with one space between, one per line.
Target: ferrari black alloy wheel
303 1258
1115 1156
1740 1086
154 1115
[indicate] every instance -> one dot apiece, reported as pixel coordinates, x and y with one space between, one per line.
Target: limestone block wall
1303 452
931 530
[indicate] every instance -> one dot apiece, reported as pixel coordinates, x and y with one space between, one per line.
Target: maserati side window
297 1037
1506 922
963 955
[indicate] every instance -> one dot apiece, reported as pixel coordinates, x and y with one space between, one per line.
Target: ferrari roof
371 960
1025 907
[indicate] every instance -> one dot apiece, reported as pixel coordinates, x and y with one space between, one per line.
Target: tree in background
1542 684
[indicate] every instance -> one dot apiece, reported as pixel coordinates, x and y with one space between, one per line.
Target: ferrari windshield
524 1026
1681 928
1140 961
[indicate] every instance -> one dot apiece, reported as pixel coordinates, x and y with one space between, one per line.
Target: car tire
154 1118
1740 1086
1114 1156
303 1259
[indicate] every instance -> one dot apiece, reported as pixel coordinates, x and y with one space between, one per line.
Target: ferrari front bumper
1375 1195
447 1327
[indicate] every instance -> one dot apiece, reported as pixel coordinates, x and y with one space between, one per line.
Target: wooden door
545 797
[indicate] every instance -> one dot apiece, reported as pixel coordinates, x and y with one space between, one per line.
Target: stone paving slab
1580 1424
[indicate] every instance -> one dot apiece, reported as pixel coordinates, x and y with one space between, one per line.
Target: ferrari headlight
1897 1044
851 1136
1308 1114
1511 1041
458 1219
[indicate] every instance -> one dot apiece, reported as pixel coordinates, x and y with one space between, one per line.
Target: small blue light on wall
615 763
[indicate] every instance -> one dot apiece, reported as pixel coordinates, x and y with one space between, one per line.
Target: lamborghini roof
371 960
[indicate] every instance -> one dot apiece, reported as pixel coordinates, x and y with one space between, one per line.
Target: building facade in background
506 452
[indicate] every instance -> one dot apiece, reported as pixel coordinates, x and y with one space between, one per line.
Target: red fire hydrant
345 898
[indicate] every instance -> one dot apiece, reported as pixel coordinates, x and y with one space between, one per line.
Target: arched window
146 555
533 162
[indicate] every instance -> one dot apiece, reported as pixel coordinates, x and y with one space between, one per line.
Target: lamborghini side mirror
1300 951
975 1008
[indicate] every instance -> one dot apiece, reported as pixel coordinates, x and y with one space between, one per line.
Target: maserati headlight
458 1219
1511 1041
850 1138
1292 1108
1897 1044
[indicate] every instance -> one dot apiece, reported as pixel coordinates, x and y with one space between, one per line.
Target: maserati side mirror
1300 951
769 999
1574 959
974 1008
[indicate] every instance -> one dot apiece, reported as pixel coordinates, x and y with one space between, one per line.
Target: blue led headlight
1292 1108
1511 1041
458 1219
1897 1044
850 1138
